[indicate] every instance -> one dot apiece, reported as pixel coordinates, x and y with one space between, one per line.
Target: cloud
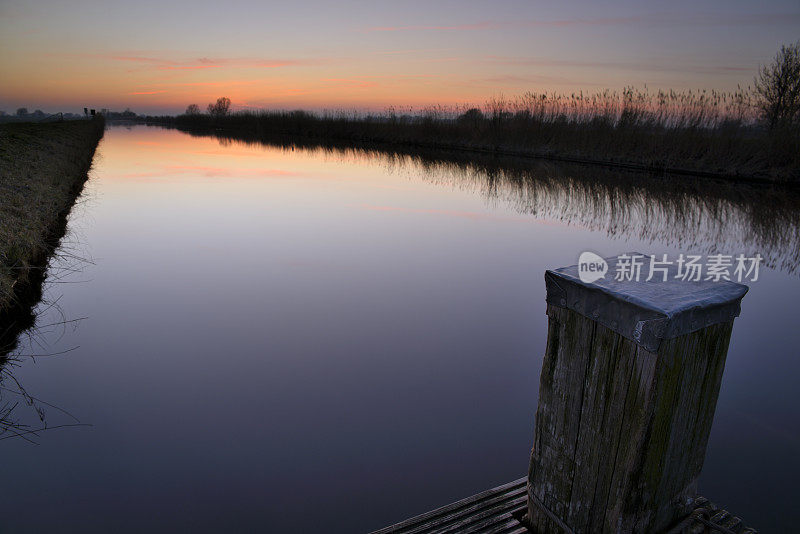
412 51
660 20
514 79
166 63
135 59
493 25
188 67
146 92
351 82
680 65
731 19
487 25
226 83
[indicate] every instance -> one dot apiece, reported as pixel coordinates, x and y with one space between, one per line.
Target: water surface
289 338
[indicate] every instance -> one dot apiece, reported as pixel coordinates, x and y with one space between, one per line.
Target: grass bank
704 134
43 167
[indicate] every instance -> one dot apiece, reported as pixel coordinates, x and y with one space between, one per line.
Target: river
282 338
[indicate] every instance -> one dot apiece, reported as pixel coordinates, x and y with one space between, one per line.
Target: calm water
287 340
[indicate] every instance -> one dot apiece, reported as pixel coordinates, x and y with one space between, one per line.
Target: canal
284 338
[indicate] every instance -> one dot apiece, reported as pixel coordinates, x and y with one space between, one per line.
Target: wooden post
627 394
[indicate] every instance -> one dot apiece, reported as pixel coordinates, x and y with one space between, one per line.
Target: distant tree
193 109
38 113
472 117
21 112
777 88
221 108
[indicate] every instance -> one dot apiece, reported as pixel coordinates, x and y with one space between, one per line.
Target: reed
708 132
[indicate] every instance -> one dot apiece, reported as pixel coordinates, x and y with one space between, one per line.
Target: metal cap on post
627 395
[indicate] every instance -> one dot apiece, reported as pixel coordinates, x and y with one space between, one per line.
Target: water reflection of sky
290 337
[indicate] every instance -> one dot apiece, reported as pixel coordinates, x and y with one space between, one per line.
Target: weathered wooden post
628 389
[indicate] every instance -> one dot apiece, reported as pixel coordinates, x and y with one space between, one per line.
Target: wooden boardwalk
495 511
627 396
500 510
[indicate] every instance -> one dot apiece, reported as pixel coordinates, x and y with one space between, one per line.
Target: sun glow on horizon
159 59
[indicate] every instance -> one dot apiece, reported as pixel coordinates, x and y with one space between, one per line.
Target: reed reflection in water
699 214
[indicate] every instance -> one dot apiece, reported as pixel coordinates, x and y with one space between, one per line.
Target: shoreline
742 158
43 168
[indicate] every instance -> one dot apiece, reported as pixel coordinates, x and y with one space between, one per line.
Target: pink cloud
137 59
146 92
351 82
165 63
188 67
227 83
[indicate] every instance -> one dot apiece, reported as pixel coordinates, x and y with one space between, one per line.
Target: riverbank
43 167
730 150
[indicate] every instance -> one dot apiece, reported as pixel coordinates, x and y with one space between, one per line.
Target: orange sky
155 57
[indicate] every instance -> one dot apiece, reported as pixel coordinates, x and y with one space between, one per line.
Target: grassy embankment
43 167
699 133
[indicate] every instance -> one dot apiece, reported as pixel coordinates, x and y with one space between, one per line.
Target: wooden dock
501 510
627 396
497 511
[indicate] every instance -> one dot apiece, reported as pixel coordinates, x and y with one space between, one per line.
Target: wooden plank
486 518
488 509
559 412
705 513
686 386
638 401
601 420
476 515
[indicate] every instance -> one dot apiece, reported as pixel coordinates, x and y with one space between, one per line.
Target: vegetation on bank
43 167
746 133
677 132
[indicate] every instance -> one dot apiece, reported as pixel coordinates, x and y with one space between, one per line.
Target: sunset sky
158 56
